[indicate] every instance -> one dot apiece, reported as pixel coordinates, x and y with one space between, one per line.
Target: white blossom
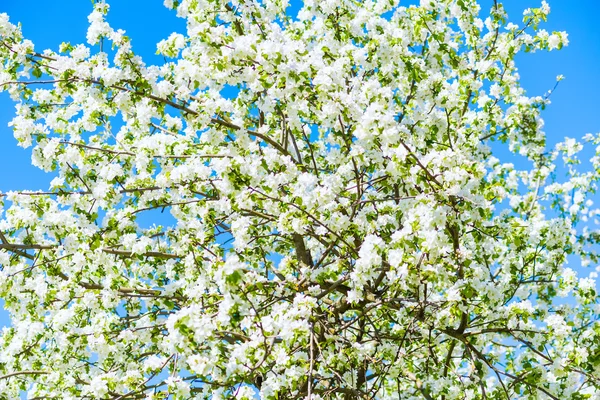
298 206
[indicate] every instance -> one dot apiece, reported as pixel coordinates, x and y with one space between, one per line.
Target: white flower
98 27
558 325
553 41
545 8
98 387
495 90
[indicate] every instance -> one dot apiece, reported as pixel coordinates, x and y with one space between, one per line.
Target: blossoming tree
340 228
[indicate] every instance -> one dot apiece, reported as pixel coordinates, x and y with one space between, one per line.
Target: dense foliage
339 221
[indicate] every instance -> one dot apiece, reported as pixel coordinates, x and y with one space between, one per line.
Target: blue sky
574 110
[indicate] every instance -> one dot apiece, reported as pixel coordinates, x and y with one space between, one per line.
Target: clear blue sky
575 104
